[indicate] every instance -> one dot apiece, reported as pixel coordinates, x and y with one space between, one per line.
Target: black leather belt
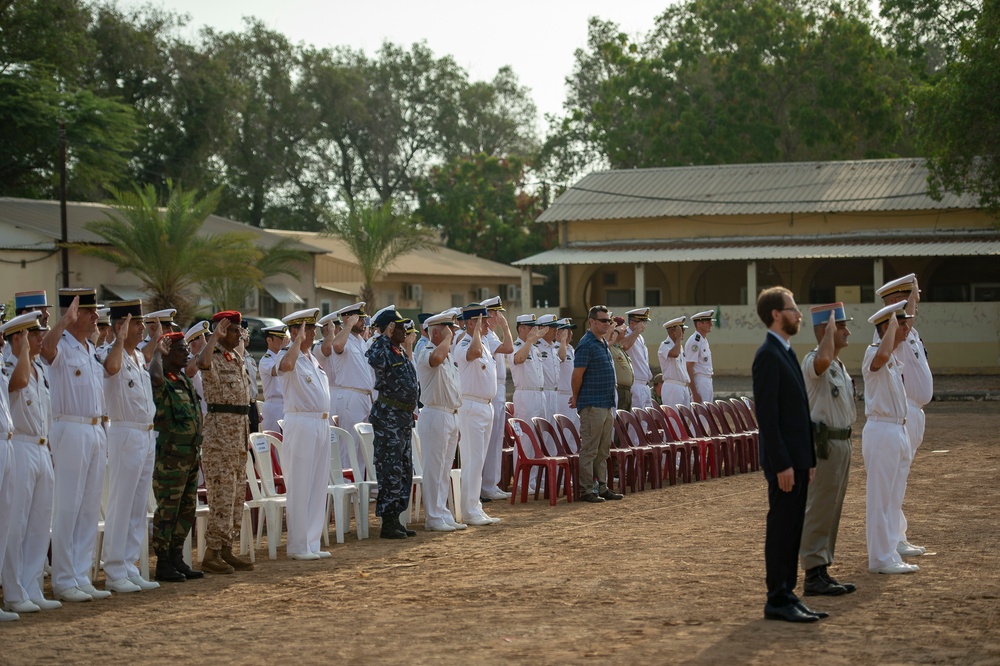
839 433
216 408
406 407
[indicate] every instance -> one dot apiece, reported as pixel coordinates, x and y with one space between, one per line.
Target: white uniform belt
85 420
887 419
28 439
550 388
134 425
312 415
446 410
356 390
704 374
474 398
528 389
674 381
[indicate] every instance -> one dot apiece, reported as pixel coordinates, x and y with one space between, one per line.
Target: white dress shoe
74 595
482 519
46 604
122 586
908 549
439 527
322 554
94 592
895 568
8 617
21 607
497 495
457 525
143 583
303 556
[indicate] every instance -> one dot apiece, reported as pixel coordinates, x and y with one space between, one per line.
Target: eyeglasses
790 310
602 321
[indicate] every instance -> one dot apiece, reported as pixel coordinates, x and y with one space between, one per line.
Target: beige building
428 280
685 239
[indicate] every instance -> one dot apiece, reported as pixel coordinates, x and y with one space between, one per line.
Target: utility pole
62 203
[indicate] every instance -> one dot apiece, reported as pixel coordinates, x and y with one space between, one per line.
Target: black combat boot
408 531
815 584
166 572
850 587
391 529
177 559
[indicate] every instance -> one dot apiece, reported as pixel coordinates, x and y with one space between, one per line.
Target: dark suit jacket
779 391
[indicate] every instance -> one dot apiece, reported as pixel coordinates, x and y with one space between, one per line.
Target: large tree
164 247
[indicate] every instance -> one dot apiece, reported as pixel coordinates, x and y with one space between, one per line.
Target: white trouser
274 409
475 422
886 452
31 512
674 394
438 432
552 405
351 407
305 462
493 460
79 458
7 472
642 397
703 384
568 411
915 421
131 454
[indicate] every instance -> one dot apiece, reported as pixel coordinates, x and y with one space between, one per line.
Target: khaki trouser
223 461
823 506
595 446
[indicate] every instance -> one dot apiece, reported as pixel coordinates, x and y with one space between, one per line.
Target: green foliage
163 246
230 293
929 32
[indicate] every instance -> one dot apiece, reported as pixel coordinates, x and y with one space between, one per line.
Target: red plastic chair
729 445
715 445
749 424
649 454
730 423
698 447
506 457
509 407
544 427
667 439
571 438
530 454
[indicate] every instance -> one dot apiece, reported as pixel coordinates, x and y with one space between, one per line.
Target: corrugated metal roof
43 217
747 189
978 245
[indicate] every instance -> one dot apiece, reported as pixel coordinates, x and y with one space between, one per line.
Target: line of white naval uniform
79 456
305 458
529 399
7 471
131 455
698 352
493 458
352 397
548 355
274 404
566 387
475 421
32 482
642 396
675 389
437 427
885 447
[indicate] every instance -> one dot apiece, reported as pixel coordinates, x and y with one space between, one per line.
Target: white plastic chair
341 493
368 487
263 495
416 492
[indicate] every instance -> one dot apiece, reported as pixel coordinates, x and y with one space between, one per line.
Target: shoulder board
697 336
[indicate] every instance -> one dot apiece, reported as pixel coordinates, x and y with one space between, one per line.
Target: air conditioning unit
482 293
413 292
513 294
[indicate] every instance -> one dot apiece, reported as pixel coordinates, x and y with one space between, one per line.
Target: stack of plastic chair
744 419
655 439
544 428
342 493
571 439
729 424
672 447
692 460
729 446
648 462
552 469
713 445
260 477
623 464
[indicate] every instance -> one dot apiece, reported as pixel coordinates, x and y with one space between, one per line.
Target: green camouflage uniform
178 449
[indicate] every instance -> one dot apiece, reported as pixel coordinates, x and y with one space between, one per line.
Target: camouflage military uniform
392 425
178 448
224 448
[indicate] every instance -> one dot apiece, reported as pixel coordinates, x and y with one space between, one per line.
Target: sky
536 38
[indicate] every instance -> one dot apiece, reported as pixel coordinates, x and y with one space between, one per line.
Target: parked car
255 325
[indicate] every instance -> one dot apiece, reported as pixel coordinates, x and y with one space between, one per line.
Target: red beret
231 315
173 337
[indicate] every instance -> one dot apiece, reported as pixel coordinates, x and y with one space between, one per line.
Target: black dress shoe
408 531
391 532
789 613
805 610
848 587
591 498
818 586
485 500
611 495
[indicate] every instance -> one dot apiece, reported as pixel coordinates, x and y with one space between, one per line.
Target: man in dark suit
786 452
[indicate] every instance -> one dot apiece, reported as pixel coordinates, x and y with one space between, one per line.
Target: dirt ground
667 576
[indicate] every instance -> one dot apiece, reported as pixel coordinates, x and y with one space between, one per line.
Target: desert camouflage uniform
224 447
178 448
392 425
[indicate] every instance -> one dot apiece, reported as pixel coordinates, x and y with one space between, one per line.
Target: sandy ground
666 576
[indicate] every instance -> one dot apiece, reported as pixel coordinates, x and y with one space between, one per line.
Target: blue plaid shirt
599 384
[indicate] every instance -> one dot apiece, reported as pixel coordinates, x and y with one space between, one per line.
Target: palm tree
163 247
377 236
232 293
